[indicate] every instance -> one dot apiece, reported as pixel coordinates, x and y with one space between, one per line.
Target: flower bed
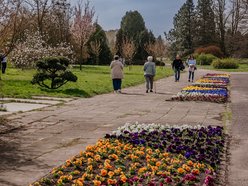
141 154
212 88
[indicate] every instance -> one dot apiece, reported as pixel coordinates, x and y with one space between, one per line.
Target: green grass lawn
242 68
92 80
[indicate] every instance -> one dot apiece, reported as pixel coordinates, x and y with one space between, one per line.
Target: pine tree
183 34
133 28
206 29
105 55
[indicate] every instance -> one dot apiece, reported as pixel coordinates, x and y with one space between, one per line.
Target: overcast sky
158 14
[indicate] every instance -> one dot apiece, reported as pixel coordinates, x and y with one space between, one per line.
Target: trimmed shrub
212 49
52 72
205 59
228 63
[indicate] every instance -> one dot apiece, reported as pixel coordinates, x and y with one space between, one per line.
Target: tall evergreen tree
182 36
206 29
105 55
133 28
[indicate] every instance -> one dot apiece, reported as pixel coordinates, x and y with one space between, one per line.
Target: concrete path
238 169
45 139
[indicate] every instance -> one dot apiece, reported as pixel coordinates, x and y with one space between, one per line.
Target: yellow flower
78 182
165 154
97 182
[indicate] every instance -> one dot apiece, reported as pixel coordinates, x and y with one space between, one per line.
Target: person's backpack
182 67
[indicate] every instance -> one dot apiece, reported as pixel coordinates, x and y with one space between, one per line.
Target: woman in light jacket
117 73
192 67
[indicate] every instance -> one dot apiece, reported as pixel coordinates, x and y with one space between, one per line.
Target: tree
54 70
206 30
97 47
221 20
133 29
83 26
128 50
33 48
183 34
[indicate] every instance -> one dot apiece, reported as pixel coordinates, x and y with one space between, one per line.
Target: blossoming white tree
83 26
34 48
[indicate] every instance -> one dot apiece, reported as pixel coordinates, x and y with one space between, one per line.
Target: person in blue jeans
176 66
149 73
117 73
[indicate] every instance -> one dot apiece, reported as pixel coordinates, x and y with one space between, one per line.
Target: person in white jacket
117 73
149 73
192 67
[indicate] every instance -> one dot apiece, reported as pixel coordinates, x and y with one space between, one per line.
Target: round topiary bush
205 59
228 63
52 72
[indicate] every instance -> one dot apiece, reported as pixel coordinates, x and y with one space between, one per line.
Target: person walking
3 61
149 73
117 74
192 67
177 66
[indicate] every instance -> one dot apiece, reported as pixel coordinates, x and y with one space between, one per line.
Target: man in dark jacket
177 65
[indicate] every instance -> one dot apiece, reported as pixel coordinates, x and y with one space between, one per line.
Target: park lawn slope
92 80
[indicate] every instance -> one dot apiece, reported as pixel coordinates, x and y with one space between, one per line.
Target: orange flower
97 157
104 172
78 182
195 171
158 163
111 174
180 170
166 154
123 178
141 170
112 181
97 182
190 163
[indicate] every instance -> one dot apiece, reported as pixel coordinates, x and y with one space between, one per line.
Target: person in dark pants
149 73
192 67
176 66
3 62
117 73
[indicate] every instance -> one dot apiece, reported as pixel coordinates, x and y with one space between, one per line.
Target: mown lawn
92 80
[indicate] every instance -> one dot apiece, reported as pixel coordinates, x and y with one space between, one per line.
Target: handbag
182 67
195 68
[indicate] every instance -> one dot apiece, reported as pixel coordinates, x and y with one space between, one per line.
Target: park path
238 168
45 139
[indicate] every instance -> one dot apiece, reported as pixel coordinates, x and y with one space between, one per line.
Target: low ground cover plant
146 154
211 87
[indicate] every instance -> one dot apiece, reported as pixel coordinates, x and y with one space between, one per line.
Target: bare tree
83 25
128 50
239 16
96 49
221 17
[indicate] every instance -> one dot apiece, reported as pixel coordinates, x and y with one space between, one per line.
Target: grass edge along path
92 80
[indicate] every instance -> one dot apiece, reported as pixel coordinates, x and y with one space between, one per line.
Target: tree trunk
81 57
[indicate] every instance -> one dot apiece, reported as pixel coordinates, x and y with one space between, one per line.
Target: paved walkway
45 139
238 169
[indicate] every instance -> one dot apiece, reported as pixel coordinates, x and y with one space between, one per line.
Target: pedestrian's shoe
146 91
192 81
151 90
119 91
189 80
